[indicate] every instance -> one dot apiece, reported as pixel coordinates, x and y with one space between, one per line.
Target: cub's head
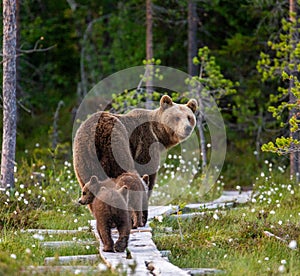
89 191
178 119
133 181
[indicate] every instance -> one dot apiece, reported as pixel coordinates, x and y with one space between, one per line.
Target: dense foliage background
78 43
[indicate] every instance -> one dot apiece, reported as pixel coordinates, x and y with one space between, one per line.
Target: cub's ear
102 189
124 191
145 178
165 102
192 104
94 180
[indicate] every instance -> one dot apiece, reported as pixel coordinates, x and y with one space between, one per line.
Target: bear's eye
189 118
177 119
84 193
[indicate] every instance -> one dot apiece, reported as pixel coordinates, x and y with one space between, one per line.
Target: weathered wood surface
144 255
66 243
155 211
67 259
55 231
202 271
78 269
227 199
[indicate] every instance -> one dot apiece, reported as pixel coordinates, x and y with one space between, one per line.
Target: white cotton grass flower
13 256
159 218
281 269
293 244
102 267
77 271
215 216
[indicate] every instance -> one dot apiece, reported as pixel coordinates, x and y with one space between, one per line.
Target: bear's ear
165 102
102 188
124 191
145 178
94 180
192 104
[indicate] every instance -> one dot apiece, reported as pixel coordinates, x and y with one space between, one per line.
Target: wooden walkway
142 256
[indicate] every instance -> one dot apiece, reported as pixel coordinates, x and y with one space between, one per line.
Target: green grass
43 200
46 196
234 240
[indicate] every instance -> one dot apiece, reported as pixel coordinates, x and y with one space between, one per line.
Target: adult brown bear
107 145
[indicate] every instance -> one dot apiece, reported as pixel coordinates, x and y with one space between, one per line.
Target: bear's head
103 190
133 181
89 191
178 119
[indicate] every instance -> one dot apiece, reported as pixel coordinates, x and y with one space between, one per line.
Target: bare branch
36 49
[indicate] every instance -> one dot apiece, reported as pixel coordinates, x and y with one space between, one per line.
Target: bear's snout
80 201
188 130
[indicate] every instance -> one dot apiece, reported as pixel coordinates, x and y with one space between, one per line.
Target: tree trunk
149 51
294 156
192 37
9 93
149 33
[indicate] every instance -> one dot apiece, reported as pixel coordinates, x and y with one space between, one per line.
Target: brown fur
108 145
110 209
137 196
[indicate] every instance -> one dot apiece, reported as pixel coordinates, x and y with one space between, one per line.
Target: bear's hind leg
139 215
124 232
134 218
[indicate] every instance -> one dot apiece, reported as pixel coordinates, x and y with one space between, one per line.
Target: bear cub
137 196
110 209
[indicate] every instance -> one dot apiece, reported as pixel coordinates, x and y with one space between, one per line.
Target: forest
68 47
244 53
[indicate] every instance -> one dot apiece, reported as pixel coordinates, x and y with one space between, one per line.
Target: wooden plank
142 250
203 271
66 243
227 199
56 231
80 269
66 259
154 211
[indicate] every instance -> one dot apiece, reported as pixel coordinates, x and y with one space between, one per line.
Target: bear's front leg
105 236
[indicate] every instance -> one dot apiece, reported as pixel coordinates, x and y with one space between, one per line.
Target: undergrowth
236 240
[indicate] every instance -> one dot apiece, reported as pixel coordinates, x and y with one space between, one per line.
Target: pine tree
9 93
